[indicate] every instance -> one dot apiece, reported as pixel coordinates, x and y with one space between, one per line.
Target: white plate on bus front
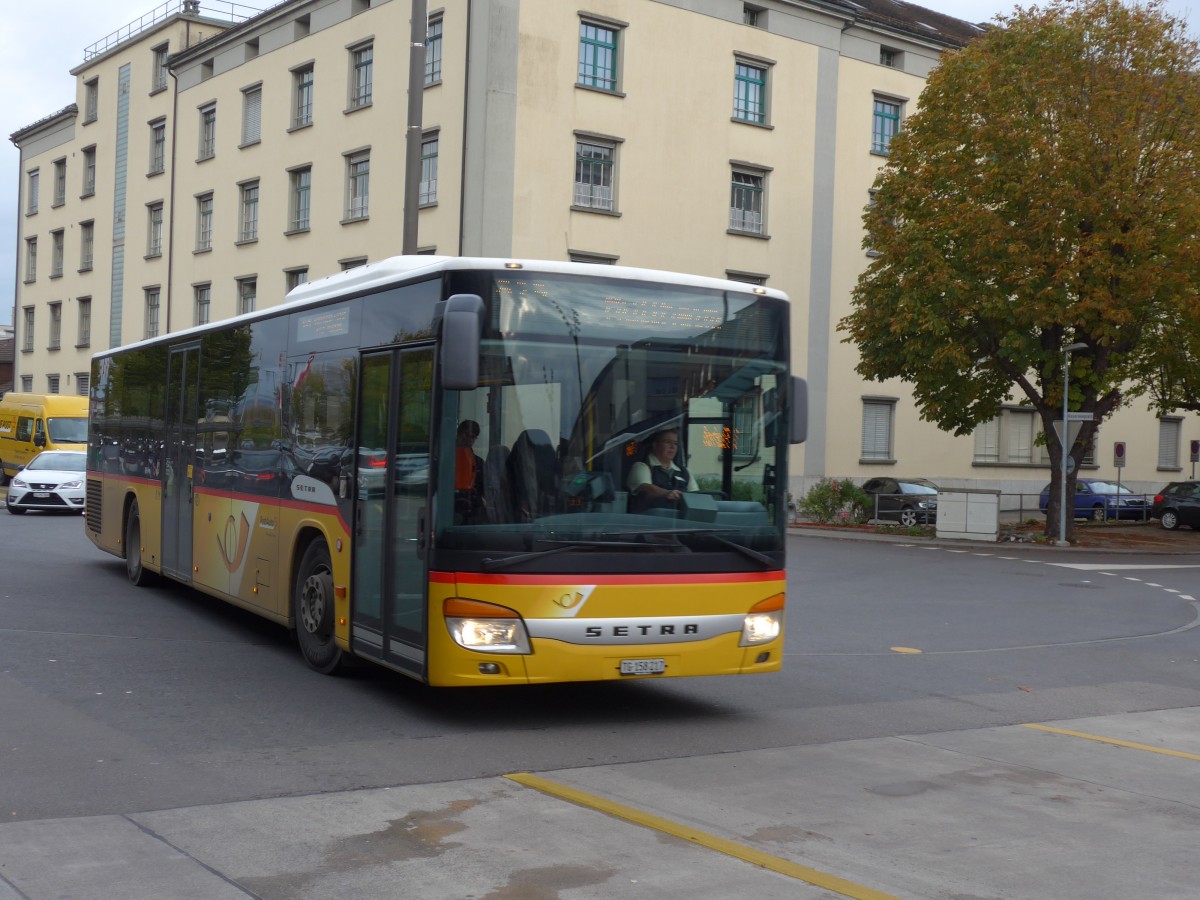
643 666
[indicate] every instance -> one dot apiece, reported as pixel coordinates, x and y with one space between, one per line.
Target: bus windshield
556 449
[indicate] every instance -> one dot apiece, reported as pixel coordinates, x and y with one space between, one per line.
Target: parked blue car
1098 500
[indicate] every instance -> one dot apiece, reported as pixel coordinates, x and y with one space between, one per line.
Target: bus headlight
763 623
485 627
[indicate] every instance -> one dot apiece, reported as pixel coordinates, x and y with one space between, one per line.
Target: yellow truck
31 423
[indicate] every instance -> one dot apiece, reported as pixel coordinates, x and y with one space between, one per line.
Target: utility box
969 514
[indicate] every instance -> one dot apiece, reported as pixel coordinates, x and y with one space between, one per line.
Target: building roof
913 20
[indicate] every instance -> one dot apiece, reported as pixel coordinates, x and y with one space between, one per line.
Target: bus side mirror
462 330
39 440
799 410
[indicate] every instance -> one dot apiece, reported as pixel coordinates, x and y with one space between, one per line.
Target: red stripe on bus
592 578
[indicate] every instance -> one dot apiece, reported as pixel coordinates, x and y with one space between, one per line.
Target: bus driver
657 482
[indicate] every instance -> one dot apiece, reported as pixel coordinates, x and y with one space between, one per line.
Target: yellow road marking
1116 743
712 842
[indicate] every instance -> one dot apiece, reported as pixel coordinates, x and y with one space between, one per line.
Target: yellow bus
433 463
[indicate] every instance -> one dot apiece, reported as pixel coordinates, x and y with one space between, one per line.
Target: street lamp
1062 508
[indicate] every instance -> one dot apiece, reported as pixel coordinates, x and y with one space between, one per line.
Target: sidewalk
1136 537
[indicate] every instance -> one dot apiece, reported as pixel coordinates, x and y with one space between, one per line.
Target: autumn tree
1046 193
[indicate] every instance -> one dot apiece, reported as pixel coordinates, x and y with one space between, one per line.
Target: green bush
831 500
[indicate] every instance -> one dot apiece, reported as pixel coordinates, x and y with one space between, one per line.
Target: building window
52 382
55 327
31 191
56 253
27 383
362 62
158 78
1008 439
248 212
204 222
91 100
87 244
747 204
596 259
300 198
893 59
30 259
754 16
750 93
154 229
152 295
208 131
27 330
89 171
83 383
251 116
597 55
83 306
60 182
247 294
1169 430
433 52
158 146
877 430
885 124
427 195
595 165
358 185
293 278
746 277
203 295
353 263
302 94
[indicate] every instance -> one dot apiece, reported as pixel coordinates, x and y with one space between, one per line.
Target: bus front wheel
137 573
312 600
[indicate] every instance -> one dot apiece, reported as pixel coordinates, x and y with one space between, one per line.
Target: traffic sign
1195 451
1119 454
1080 417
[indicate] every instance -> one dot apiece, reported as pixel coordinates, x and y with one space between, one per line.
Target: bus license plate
643 666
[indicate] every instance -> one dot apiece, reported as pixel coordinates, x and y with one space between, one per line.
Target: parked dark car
1178 504
909 501
1097 499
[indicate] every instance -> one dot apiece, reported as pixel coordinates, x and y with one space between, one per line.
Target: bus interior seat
533 472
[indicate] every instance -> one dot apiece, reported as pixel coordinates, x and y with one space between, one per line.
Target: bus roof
395 269
376 275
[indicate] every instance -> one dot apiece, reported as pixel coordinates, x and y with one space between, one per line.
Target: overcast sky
42 40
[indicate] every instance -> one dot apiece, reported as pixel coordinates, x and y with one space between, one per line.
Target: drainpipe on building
20 233
171 199
412 143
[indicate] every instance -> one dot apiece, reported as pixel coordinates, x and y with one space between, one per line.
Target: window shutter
1168 443
876 430
987 441
252 118
1020 437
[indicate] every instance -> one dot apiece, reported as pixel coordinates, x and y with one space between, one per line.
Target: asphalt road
116 701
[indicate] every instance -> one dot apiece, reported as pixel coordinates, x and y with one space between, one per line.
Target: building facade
209 166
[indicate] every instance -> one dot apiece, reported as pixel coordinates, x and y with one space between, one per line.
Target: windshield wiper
761 558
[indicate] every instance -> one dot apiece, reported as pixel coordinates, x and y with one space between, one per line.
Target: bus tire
312 605
137 573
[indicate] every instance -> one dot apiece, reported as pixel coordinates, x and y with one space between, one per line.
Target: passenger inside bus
468 474
657 482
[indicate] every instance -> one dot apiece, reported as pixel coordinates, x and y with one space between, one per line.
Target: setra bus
426 462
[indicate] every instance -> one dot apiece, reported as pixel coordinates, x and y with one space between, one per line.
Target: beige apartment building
214 159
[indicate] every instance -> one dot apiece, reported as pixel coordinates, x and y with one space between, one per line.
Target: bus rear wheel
134 569
312 602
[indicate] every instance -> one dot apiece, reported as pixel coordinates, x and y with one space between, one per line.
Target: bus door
390 580
179 450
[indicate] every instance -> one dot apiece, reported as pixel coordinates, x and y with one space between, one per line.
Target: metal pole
1062 508
412 144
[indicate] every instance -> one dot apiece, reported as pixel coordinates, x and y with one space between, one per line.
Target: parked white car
53 480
